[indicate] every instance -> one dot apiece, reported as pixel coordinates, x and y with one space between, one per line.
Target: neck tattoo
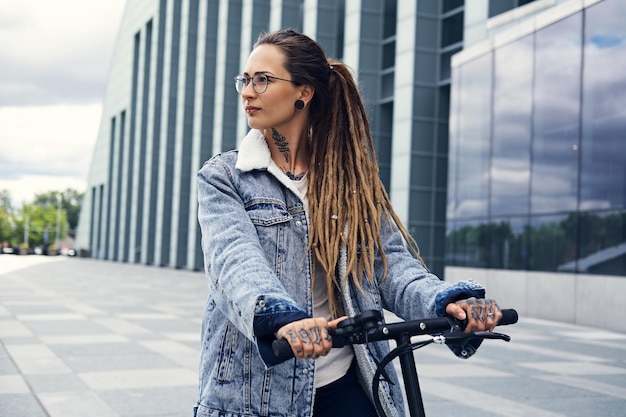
294 177
281 142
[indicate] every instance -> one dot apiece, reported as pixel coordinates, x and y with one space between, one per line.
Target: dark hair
347 200
306 62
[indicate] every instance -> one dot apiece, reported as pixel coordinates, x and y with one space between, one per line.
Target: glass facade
537 176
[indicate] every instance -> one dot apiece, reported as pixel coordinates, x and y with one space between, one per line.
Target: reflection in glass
473 137
602 247
603 164
553 241
554 179
468 241
512 110
509 243
453 144
539 145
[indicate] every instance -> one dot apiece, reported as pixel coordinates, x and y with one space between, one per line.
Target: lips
252 109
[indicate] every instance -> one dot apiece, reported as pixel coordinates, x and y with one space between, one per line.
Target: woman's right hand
309 338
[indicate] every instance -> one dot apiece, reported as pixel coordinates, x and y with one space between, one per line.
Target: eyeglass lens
259 83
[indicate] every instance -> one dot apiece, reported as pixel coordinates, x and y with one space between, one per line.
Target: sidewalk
88 338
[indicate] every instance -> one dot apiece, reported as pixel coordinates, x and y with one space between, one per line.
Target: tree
42 222
71 201
5 200
42 216
6 228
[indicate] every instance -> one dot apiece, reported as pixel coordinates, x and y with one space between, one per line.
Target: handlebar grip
282 348
509 316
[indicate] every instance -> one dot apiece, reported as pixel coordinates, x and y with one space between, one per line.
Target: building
537 178
170 105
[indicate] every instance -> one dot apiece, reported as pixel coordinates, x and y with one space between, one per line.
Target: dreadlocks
347 200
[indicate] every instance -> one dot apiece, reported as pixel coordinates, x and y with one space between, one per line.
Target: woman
297 232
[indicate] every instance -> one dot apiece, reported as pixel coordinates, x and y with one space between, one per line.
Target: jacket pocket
267 212
225 358
271 219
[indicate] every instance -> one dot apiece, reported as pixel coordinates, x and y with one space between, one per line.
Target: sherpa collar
253 152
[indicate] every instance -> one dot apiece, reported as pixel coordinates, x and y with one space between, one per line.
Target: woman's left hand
481 313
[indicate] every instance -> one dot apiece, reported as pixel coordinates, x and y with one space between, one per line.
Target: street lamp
57 241
26 227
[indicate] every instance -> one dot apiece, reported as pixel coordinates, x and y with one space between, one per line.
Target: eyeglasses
259 82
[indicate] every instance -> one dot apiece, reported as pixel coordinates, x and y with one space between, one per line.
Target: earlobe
306 94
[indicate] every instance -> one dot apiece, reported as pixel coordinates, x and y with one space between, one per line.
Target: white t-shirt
333 366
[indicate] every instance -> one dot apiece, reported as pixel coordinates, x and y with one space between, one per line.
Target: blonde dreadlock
347 199
345 189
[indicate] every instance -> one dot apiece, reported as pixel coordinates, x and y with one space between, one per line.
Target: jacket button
262 303
298 223
305 371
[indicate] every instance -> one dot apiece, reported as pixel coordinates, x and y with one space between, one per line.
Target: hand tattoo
304 335
317 339
281 142
477 311
478 314
292 336
327 335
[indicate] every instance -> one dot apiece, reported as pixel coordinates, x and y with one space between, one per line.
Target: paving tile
121 326
85 339
167 326
13 328
43 383
28 351
143 378
131 349
588 385
459 370
179 353
75 404
98 349
583 406
7 366
592 334
65 327
490 402
42 365
50 317
20 405
184 336
13 384
575 368
118 362
153 402
36 308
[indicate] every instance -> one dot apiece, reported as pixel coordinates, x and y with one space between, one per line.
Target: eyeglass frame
242 77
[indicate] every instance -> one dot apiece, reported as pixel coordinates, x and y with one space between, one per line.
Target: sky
54 62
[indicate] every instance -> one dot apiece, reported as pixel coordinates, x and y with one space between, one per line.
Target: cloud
44 142
54 62
24 189
56 51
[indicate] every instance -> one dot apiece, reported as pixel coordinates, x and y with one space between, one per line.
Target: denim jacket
254 239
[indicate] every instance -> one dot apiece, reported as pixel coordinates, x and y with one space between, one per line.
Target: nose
248 90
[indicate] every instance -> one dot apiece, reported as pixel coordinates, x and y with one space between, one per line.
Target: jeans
343 398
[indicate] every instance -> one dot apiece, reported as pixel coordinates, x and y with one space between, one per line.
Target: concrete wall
589 300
